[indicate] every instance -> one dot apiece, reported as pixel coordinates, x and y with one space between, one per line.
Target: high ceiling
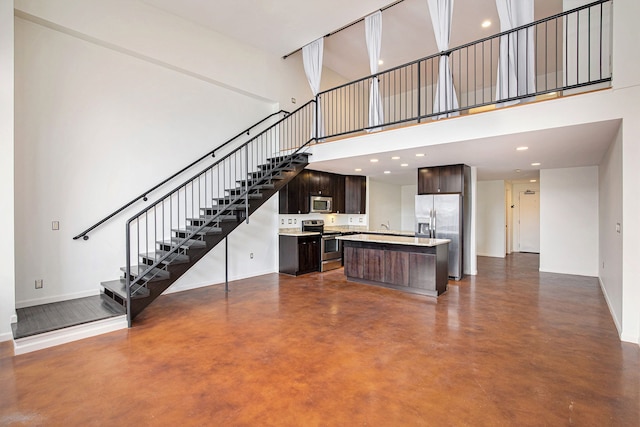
284 26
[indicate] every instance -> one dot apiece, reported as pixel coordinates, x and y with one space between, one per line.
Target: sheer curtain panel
312 61
446 98
373 34
516 63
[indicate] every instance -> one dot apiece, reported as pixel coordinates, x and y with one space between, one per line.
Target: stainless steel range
330 247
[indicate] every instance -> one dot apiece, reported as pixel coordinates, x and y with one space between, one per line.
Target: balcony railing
555 56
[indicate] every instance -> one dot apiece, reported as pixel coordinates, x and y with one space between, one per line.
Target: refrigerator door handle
433 234
431 229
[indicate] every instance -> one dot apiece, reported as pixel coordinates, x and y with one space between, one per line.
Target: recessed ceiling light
374 160
486 23
533 180
517 170
404 165
387 171
419 155
380 62
535 164
522 148
395 158
358 170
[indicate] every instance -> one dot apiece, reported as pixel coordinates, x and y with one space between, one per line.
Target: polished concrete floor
510 346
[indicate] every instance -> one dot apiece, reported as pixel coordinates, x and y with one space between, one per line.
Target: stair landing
46 325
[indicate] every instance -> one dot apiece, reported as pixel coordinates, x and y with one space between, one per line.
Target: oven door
331 247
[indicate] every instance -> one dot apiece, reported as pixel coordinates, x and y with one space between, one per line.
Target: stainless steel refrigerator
440 216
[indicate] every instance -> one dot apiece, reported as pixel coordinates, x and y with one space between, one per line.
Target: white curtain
373 34
441 15
312 61
516 64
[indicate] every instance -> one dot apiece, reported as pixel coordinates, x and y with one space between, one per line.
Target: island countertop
394 240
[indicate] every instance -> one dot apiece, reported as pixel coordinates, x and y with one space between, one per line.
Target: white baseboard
56 298
633 339
7 336
67 335
188 287
611 311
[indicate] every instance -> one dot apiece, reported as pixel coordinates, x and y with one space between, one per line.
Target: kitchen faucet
387 225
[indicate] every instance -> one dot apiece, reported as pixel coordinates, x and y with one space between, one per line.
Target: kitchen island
411 264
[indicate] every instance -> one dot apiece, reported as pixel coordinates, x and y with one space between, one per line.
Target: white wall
610 226
87 117
490 219
569 220
7 252
140 30
408 207
259 237
384 206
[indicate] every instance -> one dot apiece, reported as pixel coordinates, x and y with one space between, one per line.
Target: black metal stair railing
562 53
144 196
219 192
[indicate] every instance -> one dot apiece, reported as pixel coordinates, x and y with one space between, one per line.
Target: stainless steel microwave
320 204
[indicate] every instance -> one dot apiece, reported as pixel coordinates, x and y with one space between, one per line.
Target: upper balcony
557 56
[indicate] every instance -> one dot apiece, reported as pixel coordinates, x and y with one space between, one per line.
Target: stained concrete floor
511 346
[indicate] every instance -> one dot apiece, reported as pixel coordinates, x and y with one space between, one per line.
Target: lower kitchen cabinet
299 254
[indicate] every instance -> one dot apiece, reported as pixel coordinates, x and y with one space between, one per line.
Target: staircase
167 238
172 257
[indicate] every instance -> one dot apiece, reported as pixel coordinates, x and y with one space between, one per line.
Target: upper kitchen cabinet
348 192
338 193
320 183
442 179
355 194
294 197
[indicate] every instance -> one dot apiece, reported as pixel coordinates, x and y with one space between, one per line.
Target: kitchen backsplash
295 221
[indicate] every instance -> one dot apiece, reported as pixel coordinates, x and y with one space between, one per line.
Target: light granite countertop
297 233
394 240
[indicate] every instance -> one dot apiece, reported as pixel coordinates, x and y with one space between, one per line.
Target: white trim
181 288
611 310
7 336
56 298
67 335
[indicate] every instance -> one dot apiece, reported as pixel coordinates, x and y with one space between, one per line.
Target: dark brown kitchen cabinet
355 194
338 193
299 254
320 183
441 179
348 192
294 197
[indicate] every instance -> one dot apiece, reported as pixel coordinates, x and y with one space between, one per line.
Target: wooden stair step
174 258
152 275
118 289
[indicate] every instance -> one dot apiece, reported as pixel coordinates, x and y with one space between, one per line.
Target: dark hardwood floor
511 346
57 315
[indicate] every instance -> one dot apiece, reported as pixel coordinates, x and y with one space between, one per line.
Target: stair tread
118 287
190 243
174 258
154 274
191 228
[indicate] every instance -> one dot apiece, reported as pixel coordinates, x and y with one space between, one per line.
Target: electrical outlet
39 283
360 220
293 100
618 227
282 221
55 225
295 221
251 255
350 219
333 220
289 222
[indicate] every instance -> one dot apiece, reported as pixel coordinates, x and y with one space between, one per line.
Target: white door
529 203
